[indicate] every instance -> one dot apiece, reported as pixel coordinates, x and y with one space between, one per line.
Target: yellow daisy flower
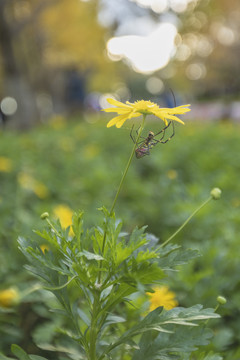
8 297
142 107
64 214
29 183
5 164
44 247
162 296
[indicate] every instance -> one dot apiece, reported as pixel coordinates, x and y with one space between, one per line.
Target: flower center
144 107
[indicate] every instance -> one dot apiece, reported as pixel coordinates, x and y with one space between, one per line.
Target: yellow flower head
162 296
5 164
64 214
44 247
8 297
29 183
142 107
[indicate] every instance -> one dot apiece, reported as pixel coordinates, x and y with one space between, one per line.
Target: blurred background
59 61
62 56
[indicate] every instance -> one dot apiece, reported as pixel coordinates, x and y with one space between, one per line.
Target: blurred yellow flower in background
5 164
66 144
138 108
44 247
57 122
64 214
8 297
162 296
29 183
91 151
172 174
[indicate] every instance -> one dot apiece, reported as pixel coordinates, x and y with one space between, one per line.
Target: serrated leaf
173 256
180 341
166 322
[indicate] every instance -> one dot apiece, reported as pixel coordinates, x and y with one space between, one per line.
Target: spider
144 146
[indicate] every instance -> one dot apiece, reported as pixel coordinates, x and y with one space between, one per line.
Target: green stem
185 222
93 328
54 229
123 178
128 165
120 187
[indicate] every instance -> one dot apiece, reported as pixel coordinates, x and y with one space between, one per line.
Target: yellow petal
120 123
117 103
172 117
117 110
161 116
176 110
116 119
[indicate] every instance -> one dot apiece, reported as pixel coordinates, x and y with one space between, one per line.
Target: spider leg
163 130
155 141
170 137
138 130
131 135
133 138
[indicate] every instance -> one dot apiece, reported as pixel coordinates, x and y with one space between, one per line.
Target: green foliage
22 355
105 267
78 163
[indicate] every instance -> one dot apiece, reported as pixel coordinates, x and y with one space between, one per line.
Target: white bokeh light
8 106
146 54
154 85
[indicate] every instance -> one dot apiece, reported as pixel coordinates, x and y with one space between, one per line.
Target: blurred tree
14 83
40 41
208 49
75 40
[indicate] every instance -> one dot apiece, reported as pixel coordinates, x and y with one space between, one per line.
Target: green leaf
45 332
90 256
61 286
3 357
113 319
181 341
210 356
165 322
19 352
173 255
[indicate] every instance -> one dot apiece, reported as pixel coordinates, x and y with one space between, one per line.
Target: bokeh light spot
154 85
8 106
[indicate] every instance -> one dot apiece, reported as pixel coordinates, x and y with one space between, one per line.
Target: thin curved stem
120 187
128 165
185 222
123 178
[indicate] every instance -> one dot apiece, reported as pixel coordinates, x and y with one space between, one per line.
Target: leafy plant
96 274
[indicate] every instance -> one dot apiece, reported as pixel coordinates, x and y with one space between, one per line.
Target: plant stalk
128 165
185 222
123 178
120 187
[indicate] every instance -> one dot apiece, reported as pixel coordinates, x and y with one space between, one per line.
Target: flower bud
8 297
221 300
44 215
216 193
